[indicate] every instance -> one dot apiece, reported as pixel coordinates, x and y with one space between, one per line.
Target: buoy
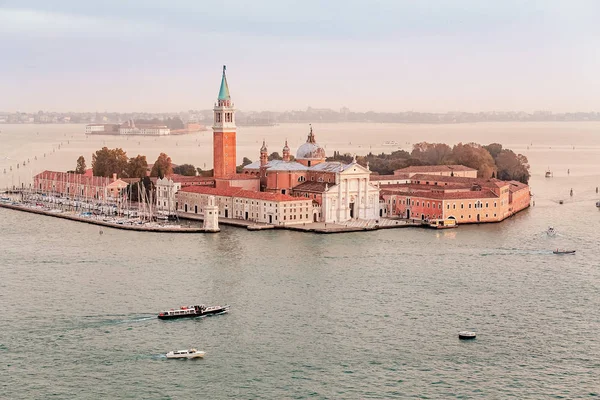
466 335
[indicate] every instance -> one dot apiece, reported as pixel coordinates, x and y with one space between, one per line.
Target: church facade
340 192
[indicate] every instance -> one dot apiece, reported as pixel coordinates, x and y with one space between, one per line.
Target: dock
72 217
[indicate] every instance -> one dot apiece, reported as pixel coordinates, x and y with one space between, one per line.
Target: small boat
187 354
466 335
390 143
443 223
549 174
557 251
551 231
598 204
193 311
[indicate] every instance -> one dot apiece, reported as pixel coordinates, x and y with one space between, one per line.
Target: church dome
310 149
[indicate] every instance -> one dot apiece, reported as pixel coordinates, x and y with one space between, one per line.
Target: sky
370 55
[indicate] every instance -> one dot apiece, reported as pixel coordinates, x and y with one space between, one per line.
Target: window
469 205
448 206
462 205
486 206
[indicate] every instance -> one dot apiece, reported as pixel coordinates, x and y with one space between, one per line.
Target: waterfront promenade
314 227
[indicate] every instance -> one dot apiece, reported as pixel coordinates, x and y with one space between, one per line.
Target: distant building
94 128
129 128
111 129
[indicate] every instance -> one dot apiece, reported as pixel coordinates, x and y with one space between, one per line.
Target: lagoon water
362 315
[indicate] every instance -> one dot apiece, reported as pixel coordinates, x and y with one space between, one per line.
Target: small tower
264 155
286 152
211 216
264 160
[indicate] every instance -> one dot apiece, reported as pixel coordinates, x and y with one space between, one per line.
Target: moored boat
443 223
187 354
551 231
193 311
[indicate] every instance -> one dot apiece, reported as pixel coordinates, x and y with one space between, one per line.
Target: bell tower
286 152
224 130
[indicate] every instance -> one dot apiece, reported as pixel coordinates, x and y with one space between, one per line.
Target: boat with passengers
193 311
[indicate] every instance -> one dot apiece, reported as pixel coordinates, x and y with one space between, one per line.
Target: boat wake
108 322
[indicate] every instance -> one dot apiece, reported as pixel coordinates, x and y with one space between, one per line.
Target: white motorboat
191 353
551 231
467 335
390 143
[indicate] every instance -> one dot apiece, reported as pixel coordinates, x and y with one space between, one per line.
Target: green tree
137 167
474 156
432 153
207 173
106 162
246 161
494 149
162 166
80 165
185 169
512 166
274 156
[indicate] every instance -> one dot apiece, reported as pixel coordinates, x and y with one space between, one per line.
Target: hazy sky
380 55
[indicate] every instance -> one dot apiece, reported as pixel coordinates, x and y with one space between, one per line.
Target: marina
88 218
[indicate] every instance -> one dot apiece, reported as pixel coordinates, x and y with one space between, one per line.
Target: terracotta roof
317 187
241 193
388 177
434 168
459 180
187 179
515 186
238 177
471 194
268 196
